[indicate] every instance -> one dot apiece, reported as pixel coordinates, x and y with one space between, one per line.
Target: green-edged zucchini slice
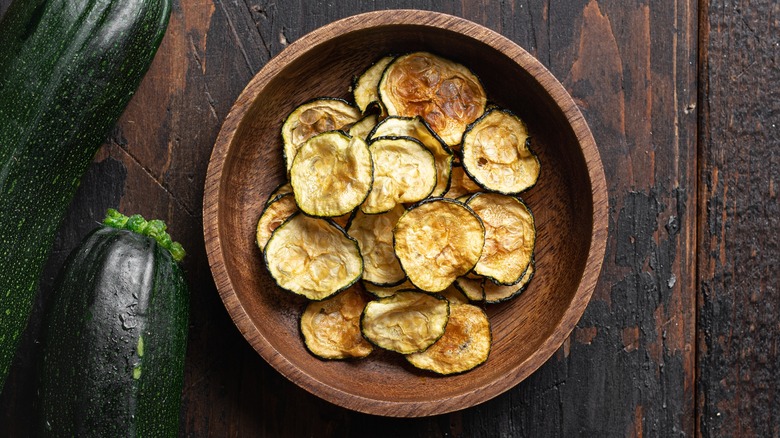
312 118
363 127
416 127
461 184
332 174
471 287
365 87
437 241
496 293
446 94
509 236
464 345
374 233
312 257
274 214
386 291
407 322
281 190
331 327
404 172
496 153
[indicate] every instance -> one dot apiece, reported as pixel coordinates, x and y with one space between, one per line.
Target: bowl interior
253 166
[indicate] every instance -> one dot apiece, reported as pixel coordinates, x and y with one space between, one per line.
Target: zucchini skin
115 340
68 68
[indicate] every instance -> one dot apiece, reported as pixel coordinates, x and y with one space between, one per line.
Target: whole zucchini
67 70
115 335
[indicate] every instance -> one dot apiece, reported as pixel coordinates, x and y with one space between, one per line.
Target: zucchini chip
331 328
312 257
374 234
363 127
496 153
446 94
407 322
331 175
495 293
312 118
416 127
461 184
364 89
509 236
276 212
386 291
472 287
464 345
404 171
437 241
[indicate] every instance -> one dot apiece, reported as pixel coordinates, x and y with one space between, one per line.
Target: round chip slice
416 128
496 153
332 174
464 345
283 189
275 213
407 322
374 233
471 287
446 94
331 328
437 241
454 296
496 293
312 257
364 89
404 171
315 117
509 236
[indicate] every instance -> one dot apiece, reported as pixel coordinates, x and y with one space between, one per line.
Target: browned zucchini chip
437 241
331 175
312 118
312 257
464 346
365 88
496 293
404 171
363 127
446 94
461 184
331 328
407 322
386 291
509 236
275 213
374 233
416 127
496 153
471 287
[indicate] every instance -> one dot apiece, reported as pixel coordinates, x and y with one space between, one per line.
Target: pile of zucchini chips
411 193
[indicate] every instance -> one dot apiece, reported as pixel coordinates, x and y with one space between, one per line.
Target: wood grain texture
627 369
740 230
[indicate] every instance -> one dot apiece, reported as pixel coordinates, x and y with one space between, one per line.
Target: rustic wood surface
681 336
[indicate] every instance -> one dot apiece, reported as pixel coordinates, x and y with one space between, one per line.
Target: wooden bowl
569 203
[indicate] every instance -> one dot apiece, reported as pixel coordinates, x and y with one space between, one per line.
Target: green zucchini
67 70
115 335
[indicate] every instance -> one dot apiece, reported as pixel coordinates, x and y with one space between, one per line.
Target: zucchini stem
154 228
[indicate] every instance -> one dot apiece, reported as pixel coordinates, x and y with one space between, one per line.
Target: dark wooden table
682 336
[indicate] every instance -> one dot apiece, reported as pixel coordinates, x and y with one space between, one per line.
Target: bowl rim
564 103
